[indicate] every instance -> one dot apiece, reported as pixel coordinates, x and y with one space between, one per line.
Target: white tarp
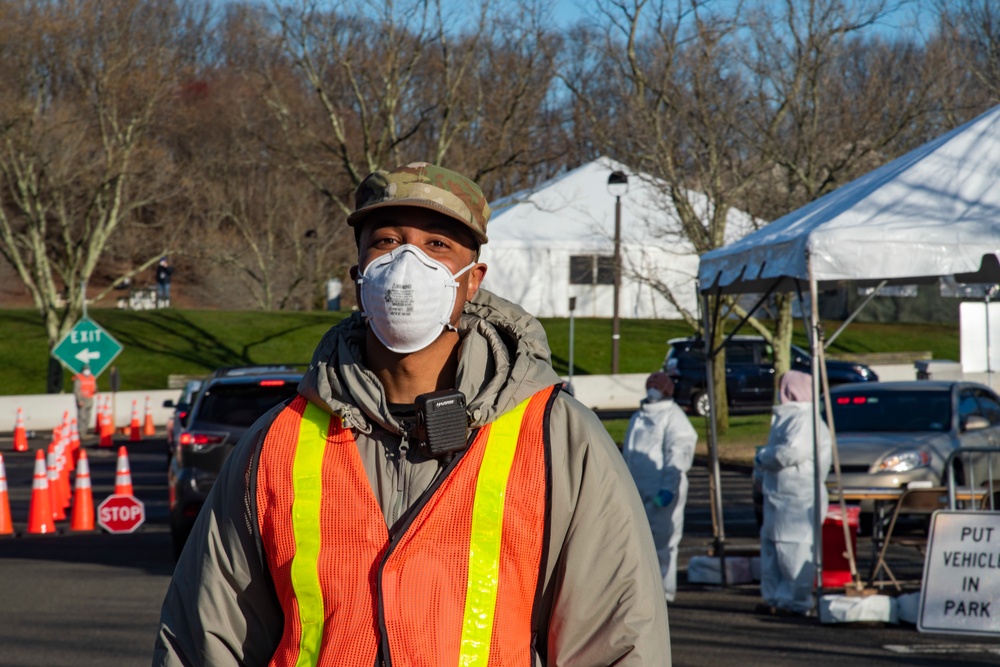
533 235
933 212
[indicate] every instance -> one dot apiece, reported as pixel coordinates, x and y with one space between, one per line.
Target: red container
836 568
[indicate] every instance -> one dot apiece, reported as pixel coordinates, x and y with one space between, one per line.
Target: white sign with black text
961 587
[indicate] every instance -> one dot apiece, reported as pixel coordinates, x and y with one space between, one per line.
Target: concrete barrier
44 412
610 392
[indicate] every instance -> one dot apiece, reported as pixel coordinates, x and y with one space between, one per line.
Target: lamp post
617 186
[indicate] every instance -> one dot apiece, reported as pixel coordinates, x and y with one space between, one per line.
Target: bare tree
829 101
971 29
656 86
80 83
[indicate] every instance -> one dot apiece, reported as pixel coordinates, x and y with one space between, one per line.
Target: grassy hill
160 343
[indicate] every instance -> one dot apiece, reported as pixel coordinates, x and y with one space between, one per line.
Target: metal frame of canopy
989 273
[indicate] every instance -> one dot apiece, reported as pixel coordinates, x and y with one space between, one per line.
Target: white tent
536 235
933 212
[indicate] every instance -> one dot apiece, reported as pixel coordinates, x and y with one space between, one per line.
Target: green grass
165 342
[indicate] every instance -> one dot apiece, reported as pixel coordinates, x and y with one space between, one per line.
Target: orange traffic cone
134 429
82 517
64 461
123 476
74 439
107 427
20 435
55 497
40 519
6 525
148 428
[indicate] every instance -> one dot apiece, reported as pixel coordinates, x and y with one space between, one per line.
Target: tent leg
816 345
820 376
714 481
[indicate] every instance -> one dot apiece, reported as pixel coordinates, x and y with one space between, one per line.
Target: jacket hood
504 358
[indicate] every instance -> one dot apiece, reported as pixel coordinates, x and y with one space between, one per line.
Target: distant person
84 388
164 274
787 567
659 450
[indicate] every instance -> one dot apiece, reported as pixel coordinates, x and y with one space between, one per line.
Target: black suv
749 372
230 401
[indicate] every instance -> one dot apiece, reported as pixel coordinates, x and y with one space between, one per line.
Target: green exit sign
87 343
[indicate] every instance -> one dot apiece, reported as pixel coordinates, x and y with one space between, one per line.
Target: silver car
892 433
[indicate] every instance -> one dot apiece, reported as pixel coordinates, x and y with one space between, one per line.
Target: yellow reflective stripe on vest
484 543
307 483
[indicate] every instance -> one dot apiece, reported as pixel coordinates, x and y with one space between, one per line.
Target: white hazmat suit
788 570
658 450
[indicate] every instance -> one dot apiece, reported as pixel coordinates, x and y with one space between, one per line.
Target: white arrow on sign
86 356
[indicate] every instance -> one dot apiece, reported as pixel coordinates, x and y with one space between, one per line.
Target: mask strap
461 271
454 283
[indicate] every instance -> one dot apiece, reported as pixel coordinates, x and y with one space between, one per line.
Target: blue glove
663 497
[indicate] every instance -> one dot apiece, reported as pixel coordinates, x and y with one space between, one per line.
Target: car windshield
892 411
242 404
694 351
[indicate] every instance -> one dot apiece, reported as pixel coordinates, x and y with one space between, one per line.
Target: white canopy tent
537 235
933 212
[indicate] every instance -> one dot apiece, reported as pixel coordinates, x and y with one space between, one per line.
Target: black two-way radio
442 422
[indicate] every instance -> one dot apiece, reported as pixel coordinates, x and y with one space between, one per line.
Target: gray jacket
603 601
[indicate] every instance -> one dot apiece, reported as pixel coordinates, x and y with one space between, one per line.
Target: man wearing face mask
659 450
430 497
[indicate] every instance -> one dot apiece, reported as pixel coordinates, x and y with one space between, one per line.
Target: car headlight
860 370
904 461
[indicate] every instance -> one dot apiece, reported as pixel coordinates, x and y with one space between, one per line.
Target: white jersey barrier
44 412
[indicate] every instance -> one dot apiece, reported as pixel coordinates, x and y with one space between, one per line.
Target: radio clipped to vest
442 423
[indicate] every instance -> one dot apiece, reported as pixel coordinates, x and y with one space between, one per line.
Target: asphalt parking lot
81 600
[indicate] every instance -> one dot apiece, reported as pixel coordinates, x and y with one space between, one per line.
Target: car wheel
700 404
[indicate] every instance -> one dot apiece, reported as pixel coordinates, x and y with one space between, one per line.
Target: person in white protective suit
658 450
787 567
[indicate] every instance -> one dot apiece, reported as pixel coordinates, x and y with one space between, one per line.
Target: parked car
230 401
749 373
890 434
182 408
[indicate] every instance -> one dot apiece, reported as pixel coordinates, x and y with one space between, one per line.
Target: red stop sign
120 514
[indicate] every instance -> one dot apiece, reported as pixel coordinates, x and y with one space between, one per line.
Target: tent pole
815 345
714 482
828 404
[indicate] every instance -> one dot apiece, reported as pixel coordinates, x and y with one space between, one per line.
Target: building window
592 270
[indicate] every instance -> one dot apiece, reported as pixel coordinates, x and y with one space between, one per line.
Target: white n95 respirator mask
408 298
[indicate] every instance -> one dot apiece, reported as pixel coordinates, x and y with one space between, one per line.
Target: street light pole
615 334
617 186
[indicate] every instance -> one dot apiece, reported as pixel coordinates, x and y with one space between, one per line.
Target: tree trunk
782 339
721 408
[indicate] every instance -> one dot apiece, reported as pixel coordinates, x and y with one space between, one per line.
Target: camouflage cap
428 186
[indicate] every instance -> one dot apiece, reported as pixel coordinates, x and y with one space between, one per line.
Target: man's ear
476 275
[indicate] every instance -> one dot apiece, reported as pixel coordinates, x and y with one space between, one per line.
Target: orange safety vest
455 584
88 385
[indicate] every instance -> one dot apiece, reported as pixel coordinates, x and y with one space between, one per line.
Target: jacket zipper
397 506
